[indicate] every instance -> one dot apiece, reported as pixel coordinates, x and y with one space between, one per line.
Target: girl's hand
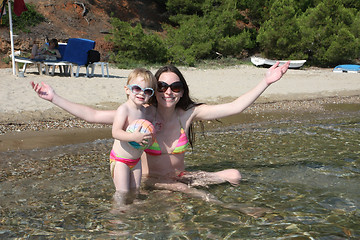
43 90
275 73
141 138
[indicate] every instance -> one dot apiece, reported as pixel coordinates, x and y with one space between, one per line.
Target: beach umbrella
19 7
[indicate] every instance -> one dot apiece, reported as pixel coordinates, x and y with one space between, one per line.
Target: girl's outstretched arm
84 112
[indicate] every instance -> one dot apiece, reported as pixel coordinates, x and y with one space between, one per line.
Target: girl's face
169 90
139 91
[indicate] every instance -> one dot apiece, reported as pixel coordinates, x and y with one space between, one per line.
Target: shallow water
307 172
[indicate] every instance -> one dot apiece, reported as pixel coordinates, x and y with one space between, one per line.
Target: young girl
125 165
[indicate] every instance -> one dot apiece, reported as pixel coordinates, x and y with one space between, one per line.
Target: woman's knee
231 175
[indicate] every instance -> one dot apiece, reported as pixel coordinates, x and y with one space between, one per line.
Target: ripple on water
307 173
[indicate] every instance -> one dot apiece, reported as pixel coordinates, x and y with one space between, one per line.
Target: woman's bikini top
181 146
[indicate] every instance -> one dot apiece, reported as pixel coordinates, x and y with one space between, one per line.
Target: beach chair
27 61
102 64
64 66
75 55
38 62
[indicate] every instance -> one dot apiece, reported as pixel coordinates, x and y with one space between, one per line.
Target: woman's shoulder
193 108
186 115
194 112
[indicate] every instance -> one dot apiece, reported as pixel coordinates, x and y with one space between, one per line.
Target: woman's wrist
54 98
265 82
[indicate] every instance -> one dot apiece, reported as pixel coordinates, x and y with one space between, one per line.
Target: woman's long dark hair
55 41
185 101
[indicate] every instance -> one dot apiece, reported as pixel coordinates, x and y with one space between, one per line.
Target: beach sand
299 90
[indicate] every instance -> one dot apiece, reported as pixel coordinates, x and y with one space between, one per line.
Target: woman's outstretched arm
86 113
208 112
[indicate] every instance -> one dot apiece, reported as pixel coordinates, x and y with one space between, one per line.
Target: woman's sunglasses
175 87
136 89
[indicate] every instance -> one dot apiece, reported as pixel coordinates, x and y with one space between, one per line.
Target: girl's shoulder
123 108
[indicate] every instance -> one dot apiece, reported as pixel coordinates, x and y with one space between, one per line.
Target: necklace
157 124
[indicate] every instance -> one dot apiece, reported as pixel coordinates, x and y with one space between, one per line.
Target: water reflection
306 172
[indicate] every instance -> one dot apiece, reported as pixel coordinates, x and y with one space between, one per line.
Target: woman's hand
43 90
275 72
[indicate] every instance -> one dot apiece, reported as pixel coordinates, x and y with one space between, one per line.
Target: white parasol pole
12 39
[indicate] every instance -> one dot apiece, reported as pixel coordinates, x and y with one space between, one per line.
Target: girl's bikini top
181 146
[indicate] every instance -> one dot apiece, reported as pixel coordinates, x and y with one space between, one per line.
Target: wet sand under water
55 181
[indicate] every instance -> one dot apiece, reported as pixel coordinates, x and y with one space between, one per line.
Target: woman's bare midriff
165 166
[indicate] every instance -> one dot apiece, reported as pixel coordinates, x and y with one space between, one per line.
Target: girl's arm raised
86 113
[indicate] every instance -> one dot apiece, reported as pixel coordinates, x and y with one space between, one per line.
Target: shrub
234 45
191 41
27 19
200 36
279 36
132 45
184 6
330 33
326 35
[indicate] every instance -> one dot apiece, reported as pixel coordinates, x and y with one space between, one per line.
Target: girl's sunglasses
175 87
136 89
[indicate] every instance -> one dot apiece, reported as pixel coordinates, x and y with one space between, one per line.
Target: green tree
213 29
352 4
234 45
133 46
191 41
258 11
330 33
278 37
188 7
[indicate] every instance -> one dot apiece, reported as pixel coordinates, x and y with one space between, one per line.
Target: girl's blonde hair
149 79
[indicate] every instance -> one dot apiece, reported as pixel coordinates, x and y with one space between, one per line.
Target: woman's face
169 98
51 45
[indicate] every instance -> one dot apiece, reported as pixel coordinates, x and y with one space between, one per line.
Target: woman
163 165
46 51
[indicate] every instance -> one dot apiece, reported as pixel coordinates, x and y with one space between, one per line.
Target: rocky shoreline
295 108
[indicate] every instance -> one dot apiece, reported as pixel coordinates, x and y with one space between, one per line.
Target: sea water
306 171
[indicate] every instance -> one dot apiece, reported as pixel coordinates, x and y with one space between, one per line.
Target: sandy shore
19 103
